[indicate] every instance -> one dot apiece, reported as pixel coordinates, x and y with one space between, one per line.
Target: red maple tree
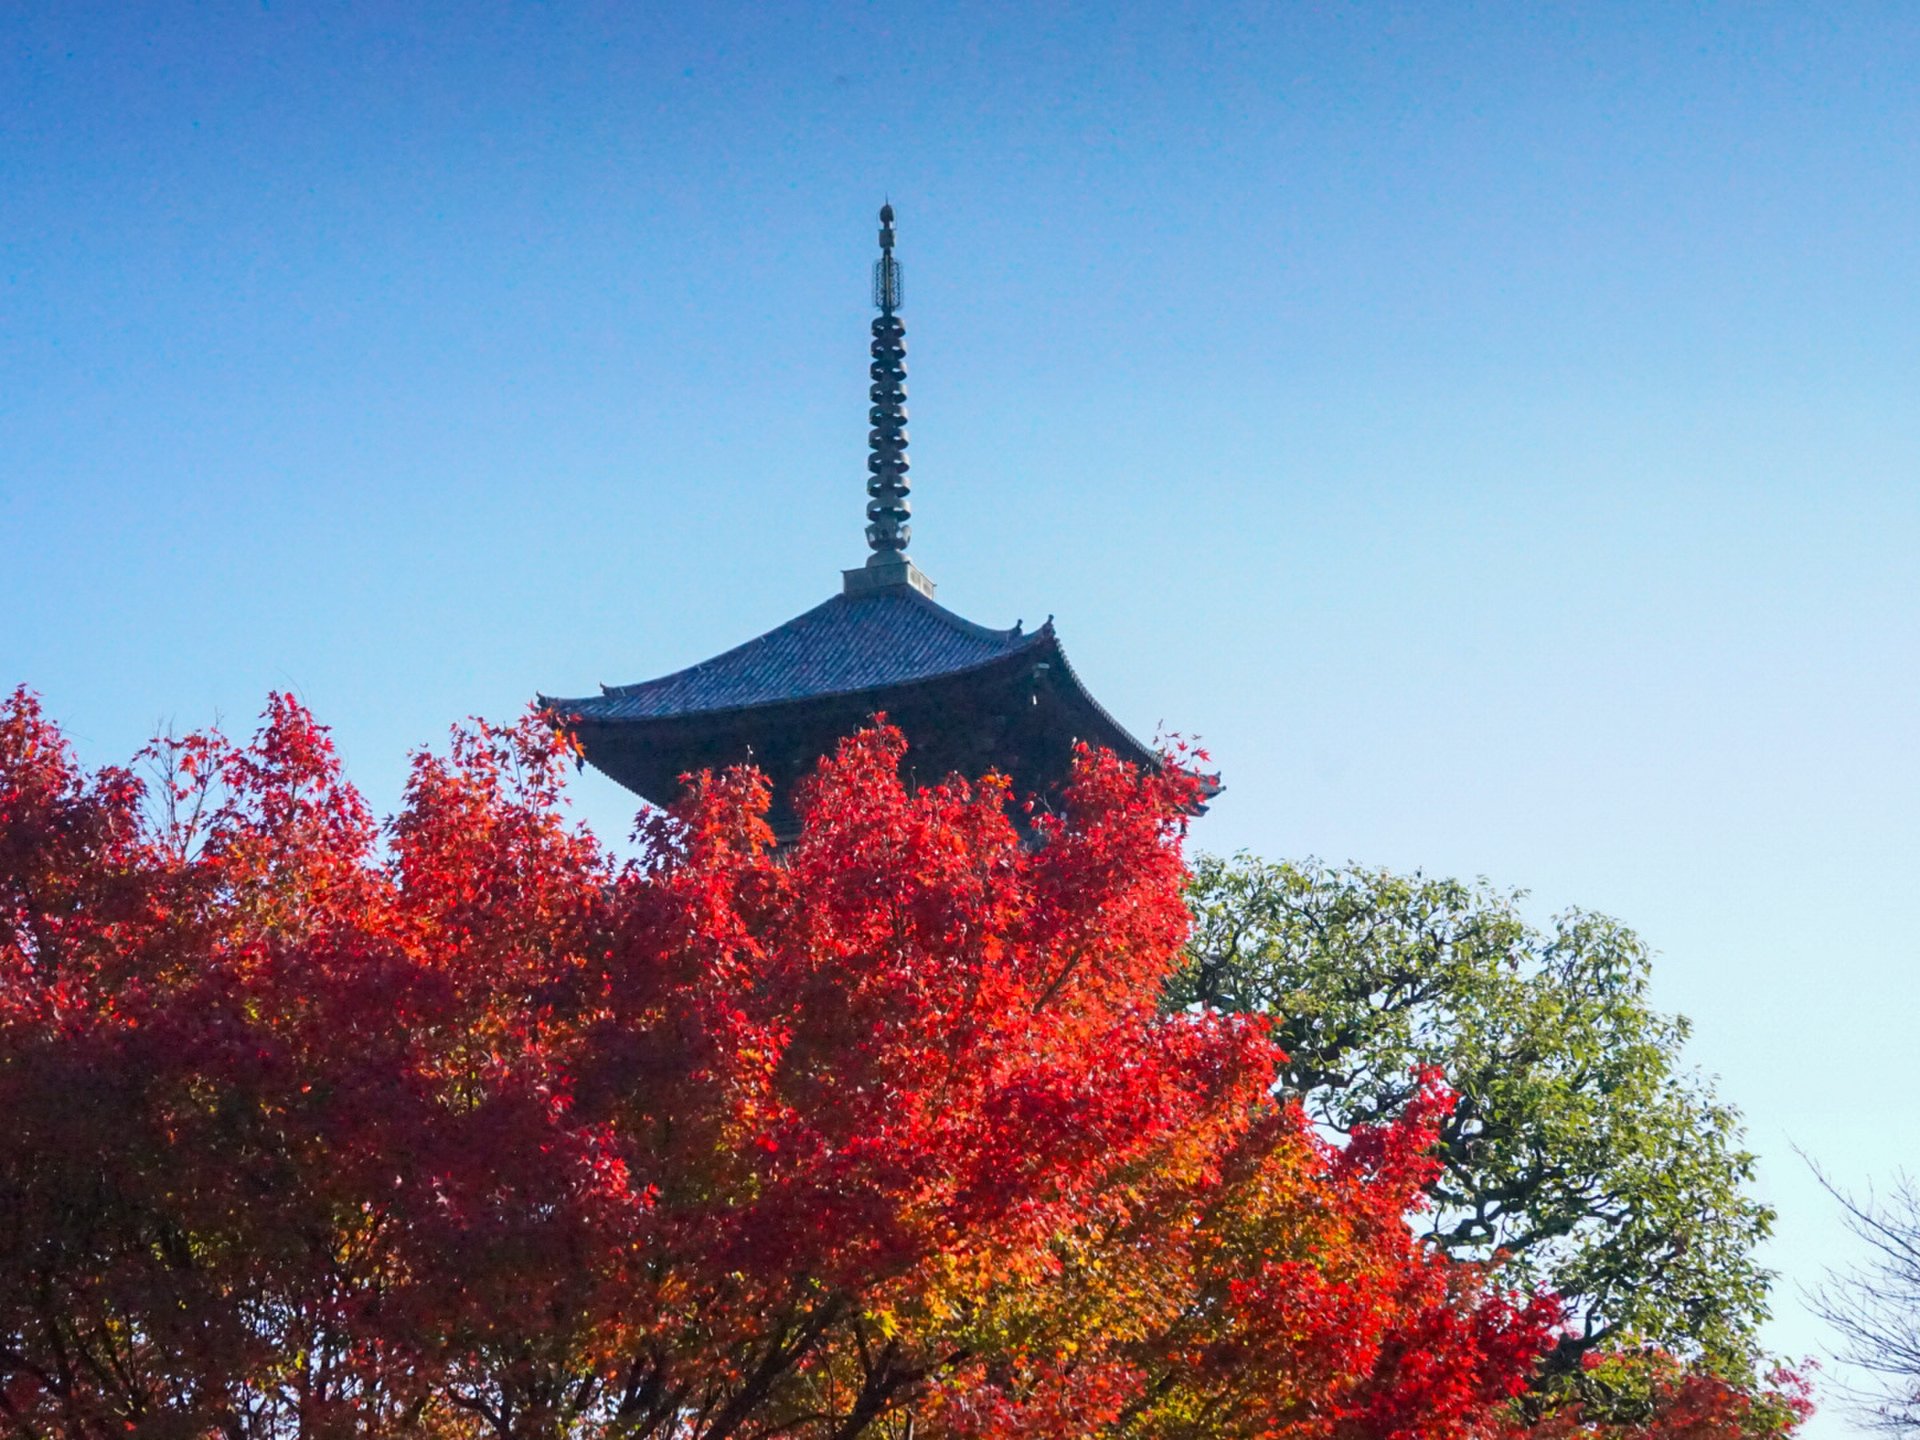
463 1128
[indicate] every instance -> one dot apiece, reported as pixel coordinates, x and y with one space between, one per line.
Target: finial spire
887 504
887 485
886 270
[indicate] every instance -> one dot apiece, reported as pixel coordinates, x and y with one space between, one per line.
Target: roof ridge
951 617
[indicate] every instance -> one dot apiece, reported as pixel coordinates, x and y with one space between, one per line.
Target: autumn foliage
1633 1392
456 1126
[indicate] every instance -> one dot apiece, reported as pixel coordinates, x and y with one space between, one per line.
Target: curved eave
1019 713
848 644
871 696
1124 743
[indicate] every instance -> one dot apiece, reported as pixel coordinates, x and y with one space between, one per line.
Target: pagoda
967 697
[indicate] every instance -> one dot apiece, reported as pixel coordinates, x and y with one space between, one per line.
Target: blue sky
1493 429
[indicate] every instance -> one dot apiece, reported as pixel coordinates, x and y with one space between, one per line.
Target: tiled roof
851 643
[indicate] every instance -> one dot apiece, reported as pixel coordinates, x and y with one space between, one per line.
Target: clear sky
1494 429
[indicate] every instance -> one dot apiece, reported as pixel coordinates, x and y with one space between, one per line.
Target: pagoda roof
843 647
968 698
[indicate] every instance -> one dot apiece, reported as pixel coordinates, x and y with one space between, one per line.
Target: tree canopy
483 1134
1579 1148
457 1127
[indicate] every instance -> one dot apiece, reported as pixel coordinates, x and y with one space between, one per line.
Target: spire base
885 575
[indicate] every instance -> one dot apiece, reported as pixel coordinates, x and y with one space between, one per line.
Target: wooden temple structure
968 698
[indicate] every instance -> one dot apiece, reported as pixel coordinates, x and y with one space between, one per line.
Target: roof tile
848 644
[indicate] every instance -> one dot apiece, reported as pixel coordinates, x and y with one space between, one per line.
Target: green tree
1580 1149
